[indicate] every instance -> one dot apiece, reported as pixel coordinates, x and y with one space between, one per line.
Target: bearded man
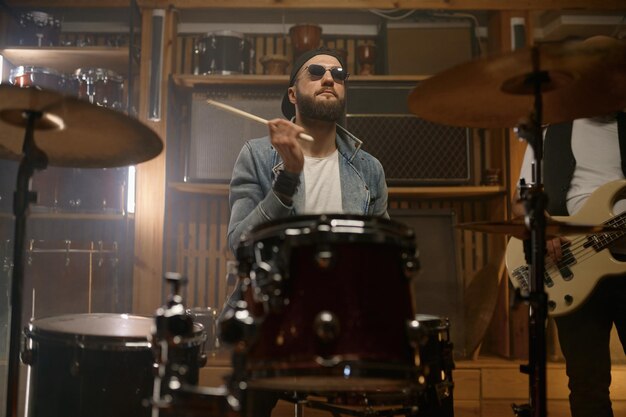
282 175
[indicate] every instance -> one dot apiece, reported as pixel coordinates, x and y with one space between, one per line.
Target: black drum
437 363
39 29
37 77
223 52
100 86
96 365
332 295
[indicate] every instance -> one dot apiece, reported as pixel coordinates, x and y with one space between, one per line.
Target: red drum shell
38 77
352 267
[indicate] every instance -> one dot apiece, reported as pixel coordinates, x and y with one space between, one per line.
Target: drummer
281 175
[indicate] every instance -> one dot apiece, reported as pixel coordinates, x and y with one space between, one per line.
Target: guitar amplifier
217 136
412 151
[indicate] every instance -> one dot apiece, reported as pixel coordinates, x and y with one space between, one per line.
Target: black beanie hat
289 110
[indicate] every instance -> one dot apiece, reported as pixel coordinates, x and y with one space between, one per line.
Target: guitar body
570 289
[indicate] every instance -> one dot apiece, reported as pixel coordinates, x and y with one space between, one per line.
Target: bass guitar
586 258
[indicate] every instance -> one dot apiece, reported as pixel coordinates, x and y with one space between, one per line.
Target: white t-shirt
322 184
595 146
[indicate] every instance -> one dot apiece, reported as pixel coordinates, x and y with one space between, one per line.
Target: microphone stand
33 159
535 203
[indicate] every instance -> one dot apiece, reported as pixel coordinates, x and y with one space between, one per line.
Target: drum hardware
207 316
61 123
324 257
174 328
540 78
410 263
327 326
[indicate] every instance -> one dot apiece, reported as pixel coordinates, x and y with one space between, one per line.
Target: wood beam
151 182
615 5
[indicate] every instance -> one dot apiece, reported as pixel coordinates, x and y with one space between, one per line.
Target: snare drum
100 86
223 52
95 365
334 298
39 29
38 77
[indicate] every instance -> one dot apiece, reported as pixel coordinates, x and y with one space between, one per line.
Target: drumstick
234 110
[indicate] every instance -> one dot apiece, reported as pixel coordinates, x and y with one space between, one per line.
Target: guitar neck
604 240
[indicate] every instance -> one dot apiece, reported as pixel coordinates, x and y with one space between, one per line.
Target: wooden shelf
423 192
68 59
200 188
334 4
51 215
191 81
445 192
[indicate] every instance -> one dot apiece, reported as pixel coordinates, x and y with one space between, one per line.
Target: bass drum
96 365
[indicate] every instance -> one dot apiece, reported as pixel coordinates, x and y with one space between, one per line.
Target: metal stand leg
34 158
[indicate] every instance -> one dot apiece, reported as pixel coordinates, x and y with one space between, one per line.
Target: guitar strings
574 246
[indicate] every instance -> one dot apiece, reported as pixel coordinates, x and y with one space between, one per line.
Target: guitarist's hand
554 247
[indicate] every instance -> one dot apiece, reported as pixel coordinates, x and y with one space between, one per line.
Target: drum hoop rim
223 33
371 225
37 333
27 69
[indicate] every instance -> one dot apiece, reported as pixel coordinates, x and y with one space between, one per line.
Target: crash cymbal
554 228
73 132
585 79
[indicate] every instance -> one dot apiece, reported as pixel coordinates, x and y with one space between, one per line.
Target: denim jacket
252 201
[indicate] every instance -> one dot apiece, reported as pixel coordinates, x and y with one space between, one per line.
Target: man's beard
325 110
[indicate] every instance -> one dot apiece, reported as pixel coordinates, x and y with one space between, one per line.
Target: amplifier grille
217 136
414 151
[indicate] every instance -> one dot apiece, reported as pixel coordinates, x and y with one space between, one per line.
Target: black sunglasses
338 73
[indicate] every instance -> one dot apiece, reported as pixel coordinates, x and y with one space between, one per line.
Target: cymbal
554 228
73 132
585 79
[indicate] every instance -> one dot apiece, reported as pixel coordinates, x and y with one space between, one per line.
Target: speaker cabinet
414 48
437 288
217 136
412 151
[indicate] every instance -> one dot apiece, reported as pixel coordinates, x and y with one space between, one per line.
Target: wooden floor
483 388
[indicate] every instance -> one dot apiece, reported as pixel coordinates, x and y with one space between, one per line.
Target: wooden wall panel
199 227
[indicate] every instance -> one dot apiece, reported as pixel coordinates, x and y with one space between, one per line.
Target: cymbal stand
33 159
535 202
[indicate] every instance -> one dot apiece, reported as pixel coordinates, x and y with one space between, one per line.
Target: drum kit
291 334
